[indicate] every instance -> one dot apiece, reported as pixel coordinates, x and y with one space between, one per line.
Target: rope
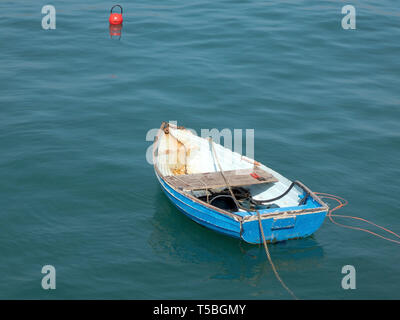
276 198
343 202
270 260
223 176
259 222
303 201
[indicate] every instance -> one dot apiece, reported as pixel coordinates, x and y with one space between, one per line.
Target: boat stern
282 227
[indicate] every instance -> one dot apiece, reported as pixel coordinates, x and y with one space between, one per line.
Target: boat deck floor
214 180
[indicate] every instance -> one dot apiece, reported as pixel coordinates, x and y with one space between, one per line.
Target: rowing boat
230 193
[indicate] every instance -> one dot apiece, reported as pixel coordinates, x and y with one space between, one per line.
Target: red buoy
115 18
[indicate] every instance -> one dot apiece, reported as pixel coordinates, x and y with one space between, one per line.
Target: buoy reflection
115 31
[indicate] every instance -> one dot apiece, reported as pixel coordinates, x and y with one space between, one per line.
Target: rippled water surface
76 191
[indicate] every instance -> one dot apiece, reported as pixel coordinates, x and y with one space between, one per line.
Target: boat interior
211 173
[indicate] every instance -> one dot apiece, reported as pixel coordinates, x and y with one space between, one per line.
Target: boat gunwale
250 217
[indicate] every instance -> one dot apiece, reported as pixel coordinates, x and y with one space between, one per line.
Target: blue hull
276 226
281 229
201 214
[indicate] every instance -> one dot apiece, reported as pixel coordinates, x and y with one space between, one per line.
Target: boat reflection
175 235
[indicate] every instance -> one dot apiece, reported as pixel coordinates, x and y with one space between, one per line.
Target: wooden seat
213 180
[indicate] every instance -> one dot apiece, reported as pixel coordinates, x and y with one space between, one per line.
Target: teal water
77 193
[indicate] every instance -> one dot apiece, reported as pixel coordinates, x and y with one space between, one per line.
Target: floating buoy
115 18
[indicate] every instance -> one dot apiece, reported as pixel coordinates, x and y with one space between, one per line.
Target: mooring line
259 221
344 203
270 260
